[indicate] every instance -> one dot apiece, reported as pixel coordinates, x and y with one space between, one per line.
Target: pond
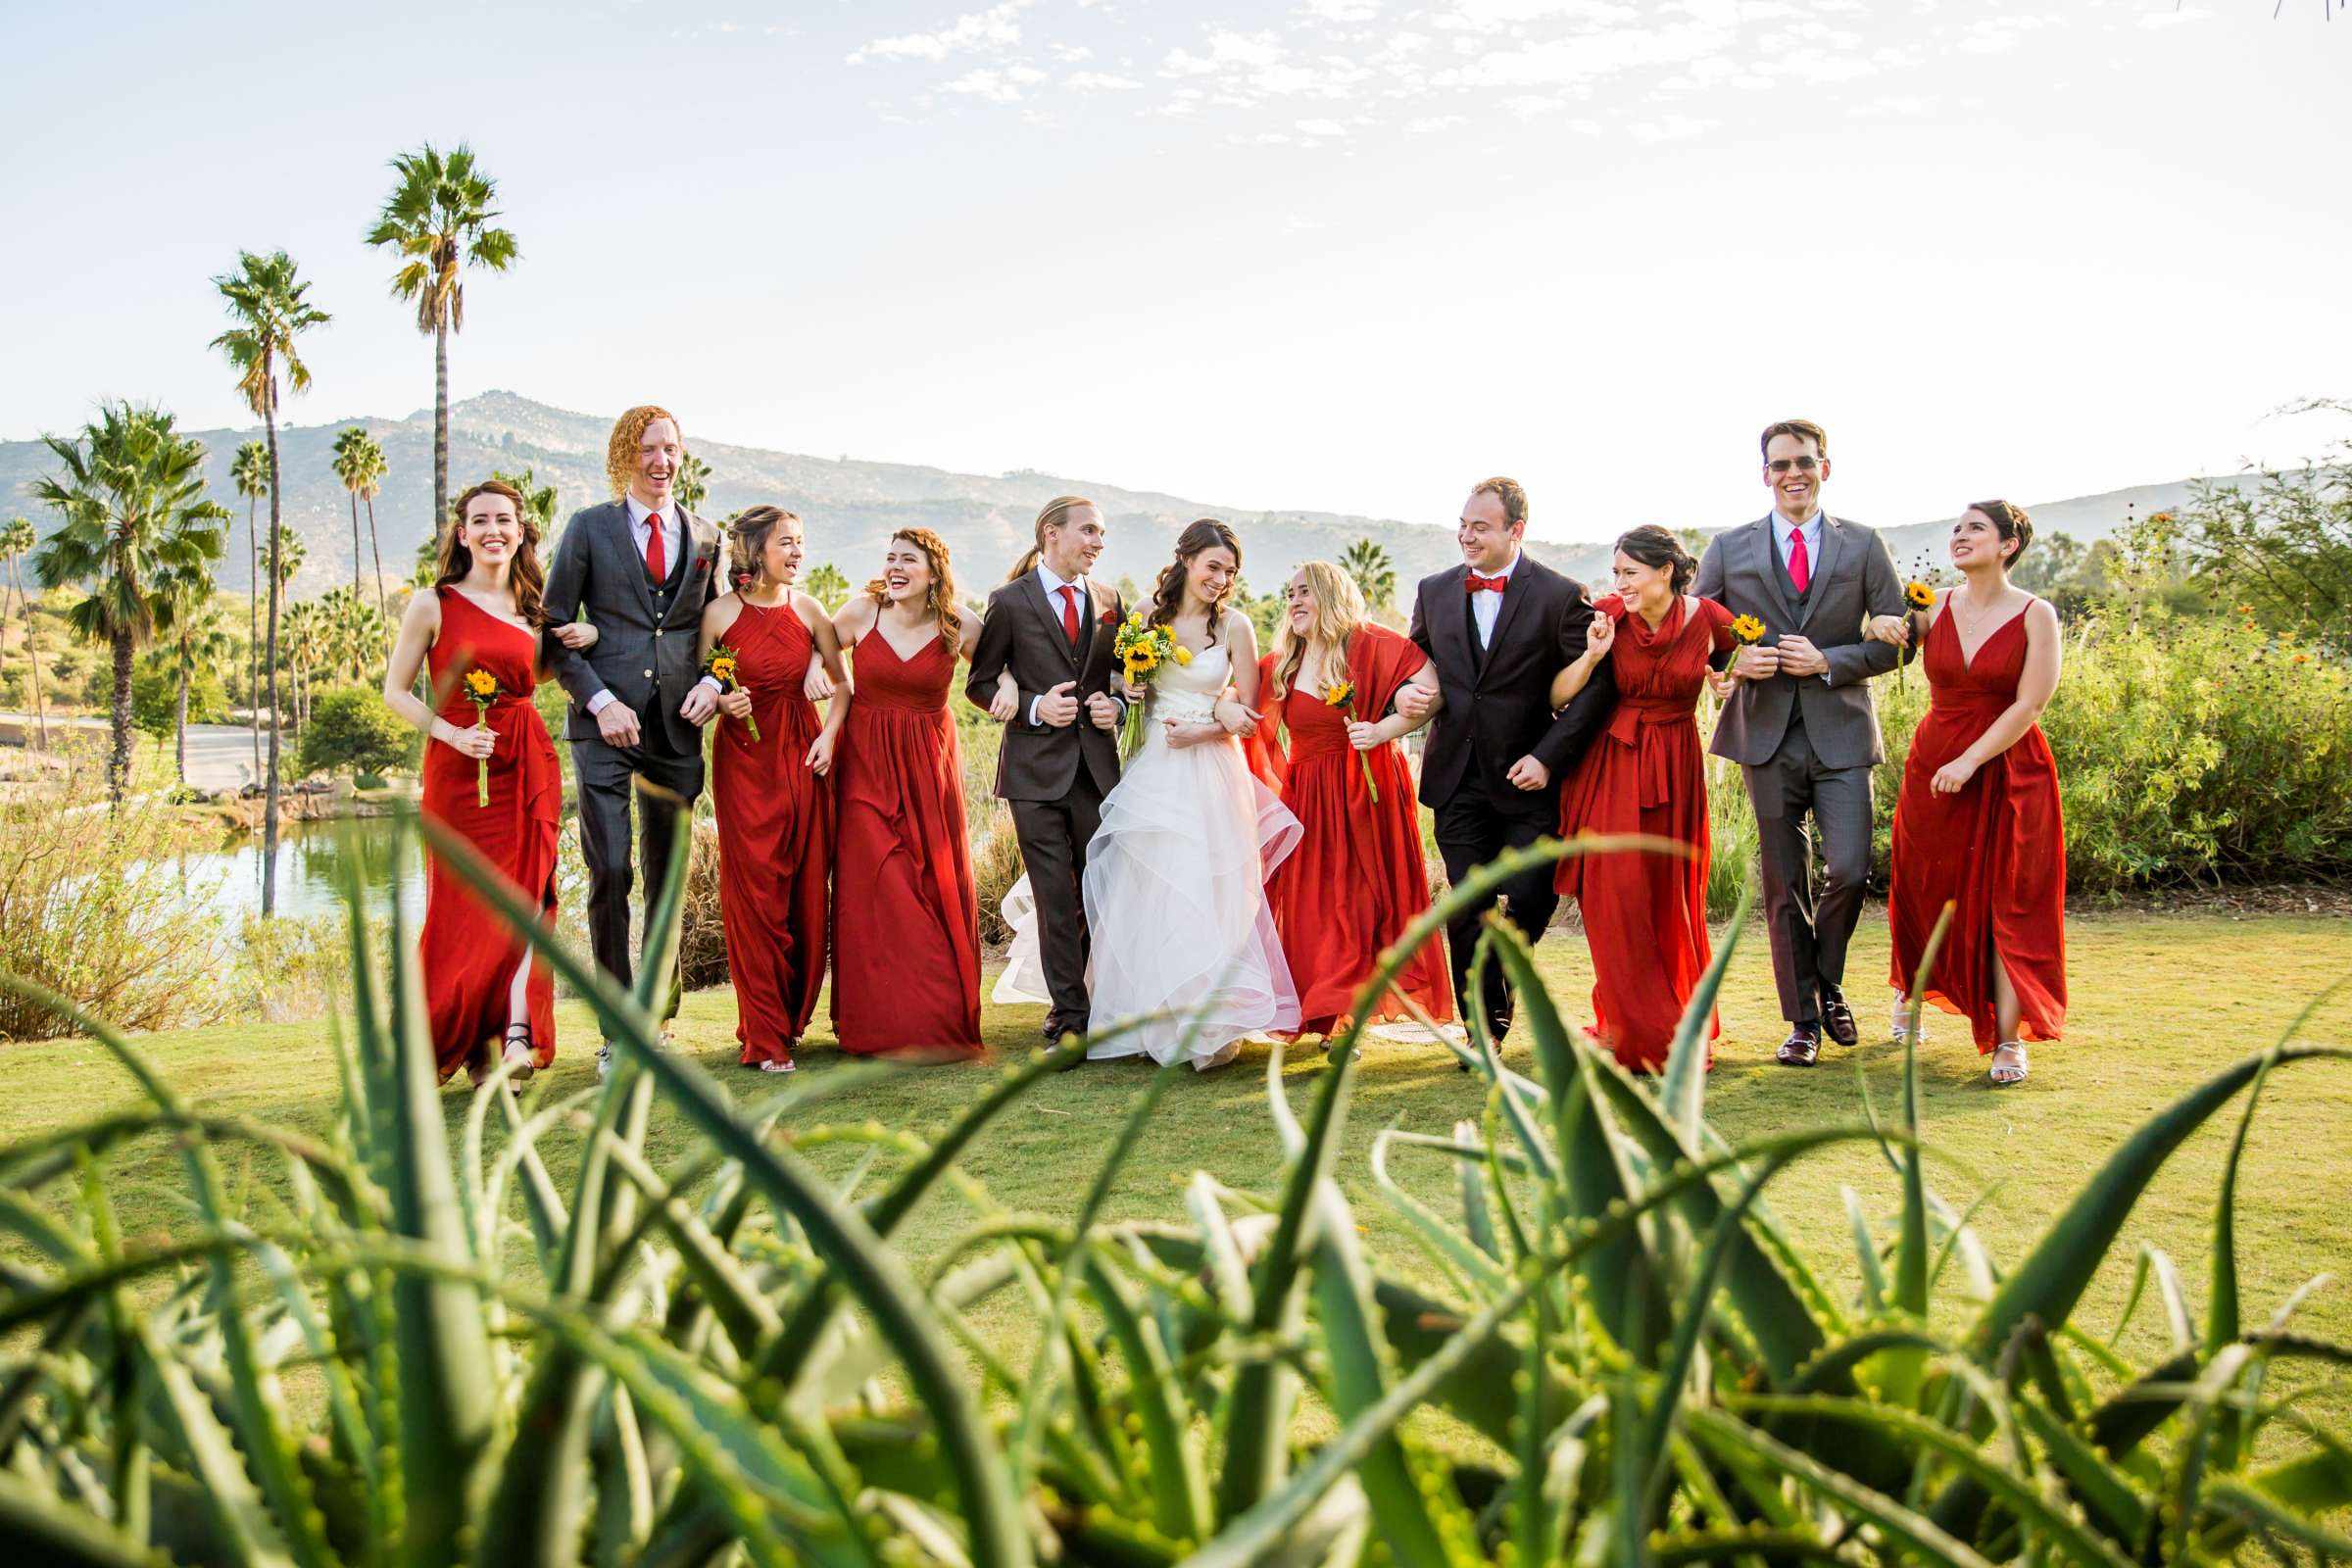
311 861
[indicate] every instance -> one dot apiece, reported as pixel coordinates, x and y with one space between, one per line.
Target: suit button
648 675
657 631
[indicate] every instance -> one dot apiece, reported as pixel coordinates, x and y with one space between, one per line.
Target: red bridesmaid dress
905 921
466 952
1645 915
1357 878
1996 850
775 835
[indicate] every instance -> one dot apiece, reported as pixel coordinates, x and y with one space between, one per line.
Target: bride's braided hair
1167 593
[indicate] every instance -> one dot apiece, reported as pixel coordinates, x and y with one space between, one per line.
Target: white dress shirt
1783 531
1054 583
1487 604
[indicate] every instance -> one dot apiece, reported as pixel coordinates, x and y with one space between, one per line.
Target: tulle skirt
1182 937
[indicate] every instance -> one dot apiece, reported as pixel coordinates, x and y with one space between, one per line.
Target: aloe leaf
1866 1254
41 1533
1463 1264
1910 1530
2050 1281
1683 1088
2105 1492
1911 1240
1177 1491
1478 1219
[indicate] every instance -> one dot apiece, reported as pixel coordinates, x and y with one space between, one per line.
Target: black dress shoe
1837 1018
1802 1048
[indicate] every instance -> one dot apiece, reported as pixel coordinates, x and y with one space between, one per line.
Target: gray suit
1807 744
645 656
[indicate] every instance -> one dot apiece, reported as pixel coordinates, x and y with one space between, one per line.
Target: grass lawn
2160 1001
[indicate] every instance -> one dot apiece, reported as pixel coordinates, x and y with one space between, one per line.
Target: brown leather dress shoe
1837 1018
1802 1048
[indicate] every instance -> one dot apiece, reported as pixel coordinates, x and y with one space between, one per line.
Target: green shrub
728 1360
352 730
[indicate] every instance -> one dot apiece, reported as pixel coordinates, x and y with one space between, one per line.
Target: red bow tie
1478 585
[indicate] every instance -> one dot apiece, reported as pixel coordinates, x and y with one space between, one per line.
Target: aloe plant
687 1371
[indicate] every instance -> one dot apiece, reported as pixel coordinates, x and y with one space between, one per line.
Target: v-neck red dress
906 917
466 952
775 835
1996 850
1645 915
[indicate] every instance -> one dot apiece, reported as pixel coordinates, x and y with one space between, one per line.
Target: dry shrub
702 939
95 905
996 867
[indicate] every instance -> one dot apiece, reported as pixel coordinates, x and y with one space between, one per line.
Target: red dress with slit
906 918
1996 849
466 951
1645 912
775 835
1357 877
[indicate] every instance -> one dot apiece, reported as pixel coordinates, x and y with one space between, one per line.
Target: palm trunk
179 720
357 672
270 776
384 607
440 425
117 762
32 652
252 626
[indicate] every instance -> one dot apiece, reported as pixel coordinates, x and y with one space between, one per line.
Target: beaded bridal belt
1186 708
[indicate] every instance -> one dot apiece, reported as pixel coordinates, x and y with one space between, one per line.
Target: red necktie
1800 568
1476 584
1069 612
657 560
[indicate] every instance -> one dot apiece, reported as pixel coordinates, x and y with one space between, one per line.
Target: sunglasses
1804 464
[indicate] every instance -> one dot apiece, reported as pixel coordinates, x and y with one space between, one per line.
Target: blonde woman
1357 878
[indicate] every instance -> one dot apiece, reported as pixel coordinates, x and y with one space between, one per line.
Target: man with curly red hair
640 568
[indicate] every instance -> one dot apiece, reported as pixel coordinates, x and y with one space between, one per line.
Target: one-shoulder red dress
775 835
1646 913
466 951
1996 849
906 918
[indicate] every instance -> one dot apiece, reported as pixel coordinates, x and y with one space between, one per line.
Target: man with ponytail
1052 629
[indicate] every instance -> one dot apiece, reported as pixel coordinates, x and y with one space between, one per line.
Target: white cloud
993 28
998 86
1086 82
1321 127
1673 127
1493 16
1586 56
1342 10
1429 123
2173 18
1528 105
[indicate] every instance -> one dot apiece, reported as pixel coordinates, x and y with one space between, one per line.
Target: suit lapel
1451 623
1521 583
1036 588
1090 625
1768 567
633 564
1833 544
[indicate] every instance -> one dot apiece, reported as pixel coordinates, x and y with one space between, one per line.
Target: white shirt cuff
596 704
1033 701
711 681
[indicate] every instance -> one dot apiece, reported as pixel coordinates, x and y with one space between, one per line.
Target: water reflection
311 861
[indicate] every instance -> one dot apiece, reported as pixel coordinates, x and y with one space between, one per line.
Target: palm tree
539 504
351 467
437 220
372 469
251 472
693 483
1374 572
131 493
307 648
16 542
185 611
265 300
828 587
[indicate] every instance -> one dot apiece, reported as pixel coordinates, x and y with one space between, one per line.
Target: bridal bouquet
1343 698
1917 595
720 667
481 690
1141 650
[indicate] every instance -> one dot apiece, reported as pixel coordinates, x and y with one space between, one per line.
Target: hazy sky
1343 254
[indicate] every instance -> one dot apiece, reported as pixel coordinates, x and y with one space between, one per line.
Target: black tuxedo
1053 779
1497 709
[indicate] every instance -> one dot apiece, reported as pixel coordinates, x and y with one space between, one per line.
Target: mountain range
852 507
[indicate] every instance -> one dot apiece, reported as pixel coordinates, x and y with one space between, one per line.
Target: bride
1175 875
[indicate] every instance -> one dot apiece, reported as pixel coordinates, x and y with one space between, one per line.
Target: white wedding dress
1175 893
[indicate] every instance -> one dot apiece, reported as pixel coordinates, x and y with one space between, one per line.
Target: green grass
2160 1002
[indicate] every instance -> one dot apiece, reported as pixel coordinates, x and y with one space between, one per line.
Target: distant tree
1374 572
131 493
288 551
351 730
538 503
189 619
17 541
251 472
2283 548
828 587
437 220
372 484
2050 565
693 483
351 467
308 650
267 301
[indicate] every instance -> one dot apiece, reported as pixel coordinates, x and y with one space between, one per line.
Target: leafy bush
1652 1371
352 730
93 906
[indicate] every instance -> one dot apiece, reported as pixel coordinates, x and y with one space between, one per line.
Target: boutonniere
702 563
1109 617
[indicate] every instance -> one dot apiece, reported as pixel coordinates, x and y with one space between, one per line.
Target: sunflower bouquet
720 667
1343 697
1141 651
481 690
1918 598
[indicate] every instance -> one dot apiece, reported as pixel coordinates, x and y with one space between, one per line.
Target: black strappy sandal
518 1040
